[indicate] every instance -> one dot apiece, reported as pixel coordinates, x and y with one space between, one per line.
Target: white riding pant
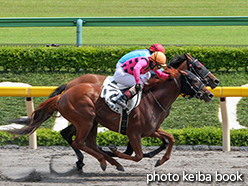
124 78
118 64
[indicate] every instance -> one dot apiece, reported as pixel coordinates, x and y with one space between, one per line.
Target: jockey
135 72
140 53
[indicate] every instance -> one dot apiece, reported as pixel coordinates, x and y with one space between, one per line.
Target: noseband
192 66
196 89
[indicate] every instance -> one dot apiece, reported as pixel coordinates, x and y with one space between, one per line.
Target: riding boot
129 94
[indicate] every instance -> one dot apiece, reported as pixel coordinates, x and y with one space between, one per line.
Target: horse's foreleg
135 141
67 134
156 151
171 141
151 154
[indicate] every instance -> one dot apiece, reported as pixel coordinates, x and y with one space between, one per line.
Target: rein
177 86
159 103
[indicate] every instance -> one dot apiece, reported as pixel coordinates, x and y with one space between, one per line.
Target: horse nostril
216 81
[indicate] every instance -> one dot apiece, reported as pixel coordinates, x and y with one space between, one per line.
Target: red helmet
157 47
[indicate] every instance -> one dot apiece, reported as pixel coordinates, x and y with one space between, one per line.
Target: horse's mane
155 81
177 60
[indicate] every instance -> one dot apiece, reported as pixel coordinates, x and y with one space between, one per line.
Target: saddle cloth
112 91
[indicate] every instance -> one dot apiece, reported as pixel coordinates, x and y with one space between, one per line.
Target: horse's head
192 86
187 62
201 71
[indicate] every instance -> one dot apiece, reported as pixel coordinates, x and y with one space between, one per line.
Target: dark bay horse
82 106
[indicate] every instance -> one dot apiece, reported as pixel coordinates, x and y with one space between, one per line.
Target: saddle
112 91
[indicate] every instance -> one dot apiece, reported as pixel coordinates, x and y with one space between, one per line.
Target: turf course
207 35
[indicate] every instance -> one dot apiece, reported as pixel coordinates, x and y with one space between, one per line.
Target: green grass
242 111
206 35
186 35
99 8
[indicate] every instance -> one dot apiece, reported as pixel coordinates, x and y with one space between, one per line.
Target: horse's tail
58 91
44 111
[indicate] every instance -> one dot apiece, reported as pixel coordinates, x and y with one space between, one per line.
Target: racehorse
82 106
183 62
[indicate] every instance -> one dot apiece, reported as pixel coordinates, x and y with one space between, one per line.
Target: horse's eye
195 81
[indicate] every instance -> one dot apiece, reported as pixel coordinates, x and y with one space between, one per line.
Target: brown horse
182 62
82 106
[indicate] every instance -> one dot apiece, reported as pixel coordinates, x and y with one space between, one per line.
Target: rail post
225 125
79 32
30 109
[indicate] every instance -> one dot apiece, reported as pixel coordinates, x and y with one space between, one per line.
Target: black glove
138 87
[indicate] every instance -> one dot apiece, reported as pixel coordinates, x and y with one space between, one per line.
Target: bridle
192 67
196 90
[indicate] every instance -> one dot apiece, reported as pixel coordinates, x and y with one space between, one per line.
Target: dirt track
56 166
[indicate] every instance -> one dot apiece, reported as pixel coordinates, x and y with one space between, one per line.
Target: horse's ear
183 72
189 56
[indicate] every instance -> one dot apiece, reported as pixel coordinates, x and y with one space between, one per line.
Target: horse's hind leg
78 143
91 142
135 141
83 123
67 134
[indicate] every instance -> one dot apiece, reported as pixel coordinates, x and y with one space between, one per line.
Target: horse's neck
165 93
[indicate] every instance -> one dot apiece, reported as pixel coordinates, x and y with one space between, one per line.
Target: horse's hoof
80 165
112 147
120 168
158 163
103 167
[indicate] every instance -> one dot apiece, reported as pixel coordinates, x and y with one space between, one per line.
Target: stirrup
123 105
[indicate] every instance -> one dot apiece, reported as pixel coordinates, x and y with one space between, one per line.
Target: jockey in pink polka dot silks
140 53
136 71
